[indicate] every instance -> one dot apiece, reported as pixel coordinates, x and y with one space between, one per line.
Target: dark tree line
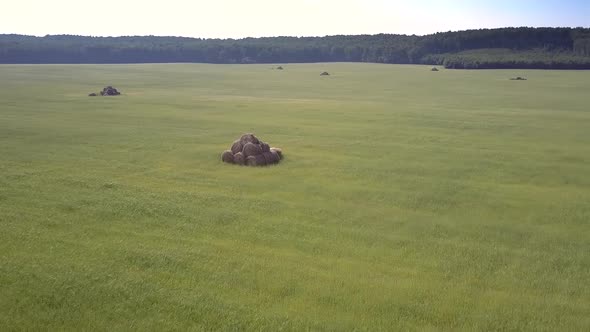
509 48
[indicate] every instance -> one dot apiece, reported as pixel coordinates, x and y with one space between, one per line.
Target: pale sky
255 18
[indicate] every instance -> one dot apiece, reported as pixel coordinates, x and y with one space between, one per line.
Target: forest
543 48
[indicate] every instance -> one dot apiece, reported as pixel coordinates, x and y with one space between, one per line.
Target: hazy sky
242 18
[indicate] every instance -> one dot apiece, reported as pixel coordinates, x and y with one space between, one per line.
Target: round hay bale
239 158
277 151
92 95
276 156
257 160
227 157
237 147
251 149
249 138
265 147
270 158
325 74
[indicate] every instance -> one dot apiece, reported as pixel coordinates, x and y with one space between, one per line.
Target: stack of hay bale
250 151
109 91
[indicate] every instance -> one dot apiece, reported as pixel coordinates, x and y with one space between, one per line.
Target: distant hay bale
518 78
280 68
237 147
251 149
265 147
257 160
249 138
239 158
278 151
109 91
325 74
227 157
434 69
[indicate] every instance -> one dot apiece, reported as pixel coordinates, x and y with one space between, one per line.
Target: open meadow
407 199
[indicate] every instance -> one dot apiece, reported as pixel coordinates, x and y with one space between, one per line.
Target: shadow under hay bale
325 74
250 151
518 78
92 94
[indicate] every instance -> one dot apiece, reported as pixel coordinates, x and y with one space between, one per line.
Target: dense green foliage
407 200
509 59
553 48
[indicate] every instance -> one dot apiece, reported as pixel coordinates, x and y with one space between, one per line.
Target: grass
408 200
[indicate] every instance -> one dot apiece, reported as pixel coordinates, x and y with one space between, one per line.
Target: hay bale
237 146
276 156
251 149
265 147
227 157
280 68
239 159
249 138
92 94
325 74
257 160
109 91
251 161
278 151
271 157
434 69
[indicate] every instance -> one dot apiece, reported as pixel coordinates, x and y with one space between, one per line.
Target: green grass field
407 200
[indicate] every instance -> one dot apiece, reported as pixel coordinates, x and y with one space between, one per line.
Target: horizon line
301 36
